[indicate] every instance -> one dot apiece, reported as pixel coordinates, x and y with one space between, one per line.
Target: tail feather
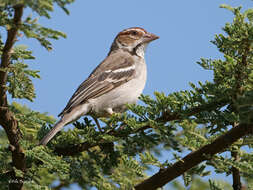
66 118
58 126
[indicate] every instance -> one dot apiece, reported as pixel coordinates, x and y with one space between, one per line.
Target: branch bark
194 158
7 120
237 185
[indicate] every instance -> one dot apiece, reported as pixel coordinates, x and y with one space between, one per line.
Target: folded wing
106 77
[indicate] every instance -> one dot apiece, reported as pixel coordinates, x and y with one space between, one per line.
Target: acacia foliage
129 144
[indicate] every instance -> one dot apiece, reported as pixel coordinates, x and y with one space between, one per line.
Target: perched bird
117 81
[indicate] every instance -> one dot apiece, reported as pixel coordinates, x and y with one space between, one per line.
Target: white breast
127 93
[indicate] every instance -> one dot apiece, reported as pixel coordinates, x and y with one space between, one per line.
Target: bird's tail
58 126
66 119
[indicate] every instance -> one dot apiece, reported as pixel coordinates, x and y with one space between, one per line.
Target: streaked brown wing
101 83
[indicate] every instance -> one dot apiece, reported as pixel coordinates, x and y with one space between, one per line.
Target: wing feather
102 81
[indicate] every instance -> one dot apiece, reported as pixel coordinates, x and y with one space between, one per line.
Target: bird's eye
134 33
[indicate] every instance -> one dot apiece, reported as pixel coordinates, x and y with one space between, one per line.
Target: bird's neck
139 50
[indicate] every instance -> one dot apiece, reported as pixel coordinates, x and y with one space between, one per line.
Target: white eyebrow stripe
124 69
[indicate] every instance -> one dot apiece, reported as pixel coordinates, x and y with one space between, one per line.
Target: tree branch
240 77
75 149
171 116
7 120
194 158
237 185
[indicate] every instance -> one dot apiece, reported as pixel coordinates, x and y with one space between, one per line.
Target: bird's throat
140 49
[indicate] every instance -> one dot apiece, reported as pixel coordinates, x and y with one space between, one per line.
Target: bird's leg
97 123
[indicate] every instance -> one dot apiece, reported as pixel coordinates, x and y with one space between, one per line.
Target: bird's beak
148 37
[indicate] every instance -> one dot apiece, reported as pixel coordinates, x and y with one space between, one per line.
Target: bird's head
134 40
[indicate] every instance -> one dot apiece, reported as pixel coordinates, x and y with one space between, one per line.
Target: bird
118 80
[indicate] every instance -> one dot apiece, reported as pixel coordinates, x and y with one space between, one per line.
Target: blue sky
185 29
